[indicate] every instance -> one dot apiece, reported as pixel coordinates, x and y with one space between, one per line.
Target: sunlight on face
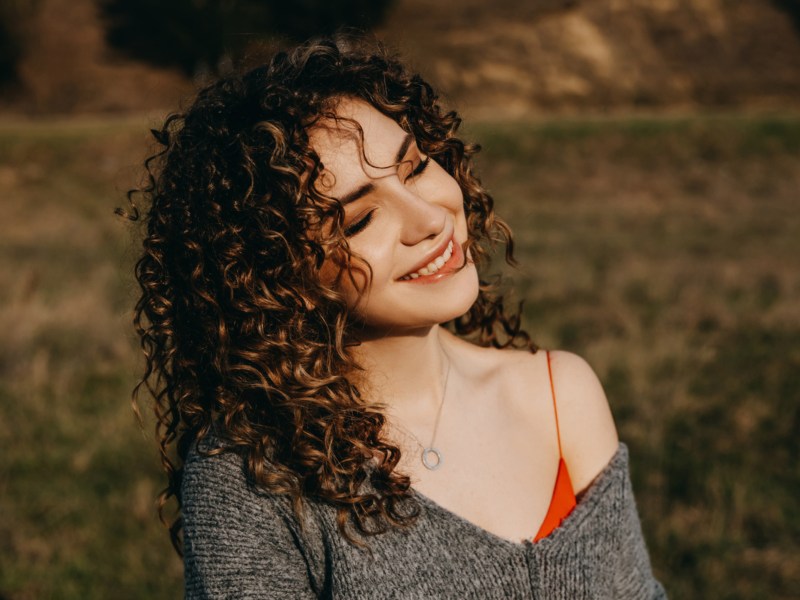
402 210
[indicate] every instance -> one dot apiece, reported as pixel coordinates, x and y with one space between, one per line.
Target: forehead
339 144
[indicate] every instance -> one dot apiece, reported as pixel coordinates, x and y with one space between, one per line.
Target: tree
792 8
14 17
197 35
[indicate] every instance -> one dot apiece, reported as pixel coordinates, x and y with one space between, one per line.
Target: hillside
606 54
551 55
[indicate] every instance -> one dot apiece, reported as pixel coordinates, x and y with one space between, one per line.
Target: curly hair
242 340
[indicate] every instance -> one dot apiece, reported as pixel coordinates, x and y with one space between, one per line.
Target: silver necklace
430 451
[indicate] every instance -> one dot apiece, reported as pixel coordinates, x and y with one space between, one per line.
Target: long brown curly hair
242 340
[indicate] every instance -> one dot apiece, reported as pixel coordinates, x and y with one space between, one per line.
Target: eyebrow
356 194
403 147
365 189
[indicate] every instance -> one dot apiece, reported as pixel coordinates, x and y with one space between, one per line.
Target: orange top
563 500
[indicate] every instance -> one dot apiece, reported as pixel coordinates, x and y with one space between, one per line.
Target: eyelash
423 164
357 227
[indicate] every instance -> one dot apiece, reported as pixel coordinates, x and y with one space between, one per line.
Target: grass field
664 250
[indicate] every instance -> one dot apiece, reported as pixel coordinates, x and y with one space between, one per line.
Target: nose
421 218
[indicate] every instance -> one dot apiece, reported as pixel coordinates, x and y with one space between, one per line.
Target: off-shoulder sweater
242 542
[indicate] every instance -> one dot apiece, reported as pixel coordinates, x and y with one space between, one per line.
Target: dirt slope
549 55
605 53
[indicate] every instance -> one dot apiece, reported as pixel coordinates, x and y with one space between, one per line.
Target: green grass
664 250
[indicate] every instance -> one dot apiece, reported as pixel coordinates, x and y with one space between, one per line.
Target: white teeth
434 265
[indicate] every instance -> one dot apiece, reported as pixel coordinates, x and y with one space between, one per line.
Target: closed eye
356 227
423 164
360 225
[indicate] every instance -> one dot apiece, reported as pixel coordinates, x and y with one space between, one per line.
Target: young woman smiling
345 407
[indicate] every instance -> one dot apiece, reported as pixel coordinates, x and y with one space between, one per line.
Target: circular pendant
426 453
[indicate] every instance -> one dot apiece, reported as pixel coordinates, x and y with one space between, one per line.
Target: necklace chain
431 450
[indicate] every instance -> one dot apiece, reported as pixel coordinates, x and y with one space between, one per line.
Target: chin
466 302
407 313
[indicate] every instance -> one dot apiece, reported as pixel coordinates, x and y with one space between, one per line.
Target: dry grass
77 478
664 250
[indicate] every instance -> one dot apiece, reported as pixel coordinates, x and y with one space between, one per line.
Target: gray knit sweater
244 543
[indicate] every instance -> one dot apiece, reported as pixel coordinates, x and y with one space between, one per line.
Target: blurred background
646 153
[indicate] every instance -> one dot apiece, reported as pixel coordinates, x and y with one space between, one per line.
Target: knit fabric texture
241 542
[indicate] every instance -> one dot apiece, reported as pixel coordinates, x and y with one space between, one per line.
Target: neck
406 372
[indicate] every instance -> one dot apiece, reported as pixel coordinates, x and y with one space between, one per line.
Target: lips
455 262
431 256
433 266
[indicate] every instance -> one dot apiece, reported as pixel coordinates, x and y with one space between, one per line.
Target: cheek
451 193
328 272
352 284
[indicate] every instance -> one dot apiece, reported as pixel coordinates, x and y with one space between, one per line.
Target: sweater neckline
589 498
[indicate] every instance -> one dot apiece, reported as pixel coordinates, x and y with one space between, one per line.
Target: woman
343 405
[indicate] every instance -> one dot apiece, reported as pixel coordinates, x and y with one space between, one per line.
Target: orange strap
563 500
555 409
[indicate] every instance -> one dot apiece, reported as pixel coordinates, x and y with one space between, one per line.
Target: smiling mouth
445 264
433 266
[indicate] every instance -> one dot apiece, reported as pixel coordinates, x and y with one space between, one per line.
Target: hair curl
240 337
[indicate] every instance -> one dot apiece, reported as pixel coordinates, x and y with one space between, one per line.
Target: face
404 216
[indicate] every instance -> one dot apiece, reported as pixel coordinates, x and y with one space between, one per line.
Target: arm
238 543
588 432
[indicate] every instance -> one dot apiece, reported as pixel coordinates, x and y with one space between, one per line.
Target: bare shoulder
588 434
